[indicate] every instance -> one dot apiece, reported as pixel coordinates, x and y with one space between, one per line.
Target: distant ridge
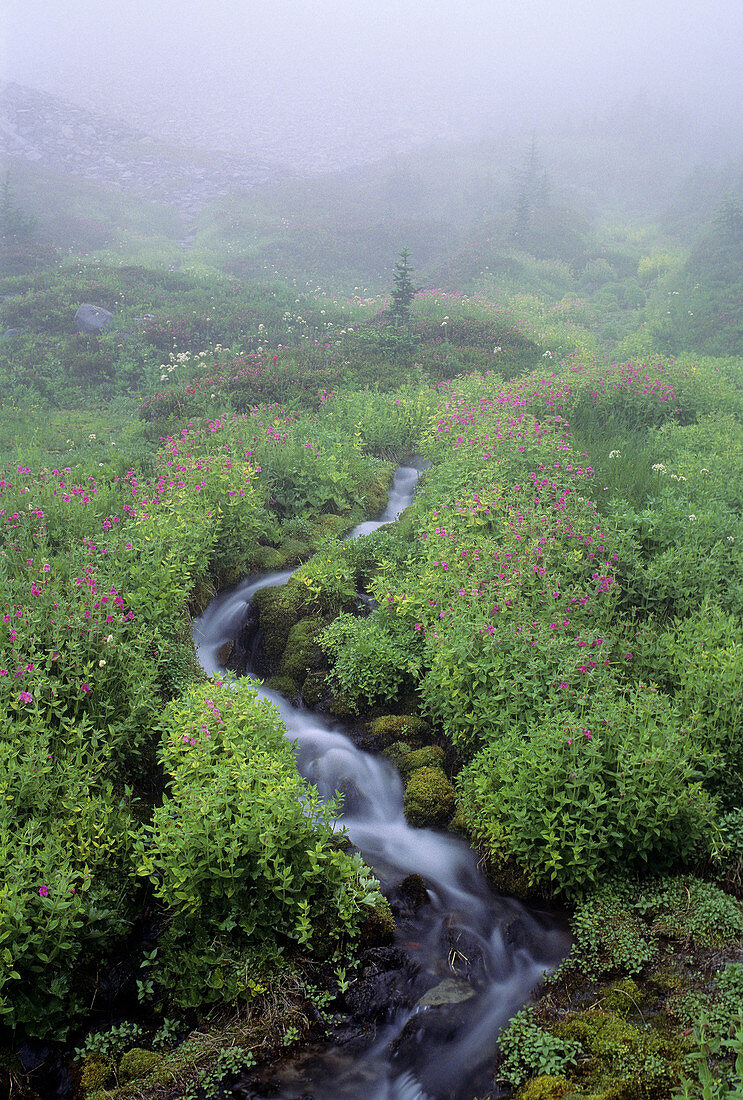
50 131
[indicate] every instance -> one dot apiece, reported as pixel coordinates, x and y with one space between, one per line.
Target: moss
397 752
283 684
429 798
397 727
313 689
137 1063
634 1063
301 653
340 706
267 559
511 879
278 610
97 1072
430 756
544 1087
623 997
375 496
294 550
378 930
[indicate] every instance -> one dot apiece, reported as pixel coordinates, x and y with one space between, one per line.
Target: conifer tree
403 290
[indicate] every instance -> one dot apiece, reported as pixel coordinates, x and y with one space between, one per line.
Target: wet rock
224 653
420 1048
448 992
466 955
390 980
407 896
10 332
92 319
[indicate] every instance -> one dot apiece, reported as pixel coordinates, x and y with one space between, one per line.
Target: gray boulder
92 319
9 332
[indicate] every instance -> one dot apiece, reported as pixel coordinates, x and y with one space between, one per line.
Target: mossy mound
430 756
283 684
378 930
97 1072
429 798
137 1063
624 998
375 496
278 610
627 1061
399 727
397 753
314 688
545 1087
301 653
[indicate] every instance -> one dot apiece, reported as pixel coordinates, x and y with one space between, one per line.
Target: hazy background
350 78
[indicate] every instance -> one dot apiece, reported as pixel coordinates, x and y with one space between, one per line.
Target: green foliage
370 661
617 928
241 850
610 934
529 1050
572 799
714 1067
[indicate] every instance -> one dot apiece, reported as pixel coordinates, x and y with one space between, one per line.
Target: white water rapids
512 945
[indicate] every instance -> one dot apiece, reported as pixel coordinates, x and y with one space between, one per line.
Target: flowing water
491 948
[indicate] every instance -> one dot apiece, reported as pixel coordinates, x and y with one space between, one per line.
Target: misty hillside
51 133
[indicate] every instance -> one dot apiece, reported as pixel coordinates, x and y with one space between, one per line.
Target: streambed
467 958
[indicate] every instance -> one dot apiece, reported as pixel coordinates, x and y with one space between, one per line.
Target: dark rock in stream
225 652
389 980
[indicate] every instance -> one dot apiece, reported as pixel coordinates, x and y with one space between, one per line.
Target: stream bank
428 1008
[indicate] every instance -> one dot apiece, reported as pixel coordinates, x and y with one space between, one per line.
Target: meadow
561 608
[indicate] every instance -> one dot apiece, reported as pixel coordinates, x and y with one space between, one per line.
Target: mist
332 83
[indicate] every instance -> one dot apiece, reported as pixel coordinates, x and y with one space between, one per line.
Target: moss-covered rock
624 998
137 1063
283 684
375 495
278 610
397 753
378 930
429 798
399 727
636 1063
97 1072
430 756
301 653
267 559
544 1087
314 687
340 706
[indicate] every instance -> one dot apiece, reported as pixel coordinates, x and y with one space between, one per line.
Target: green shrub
574 799
368 660
241 851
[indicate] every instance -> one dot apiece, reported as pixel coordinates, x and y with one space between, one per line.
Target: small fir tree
403 290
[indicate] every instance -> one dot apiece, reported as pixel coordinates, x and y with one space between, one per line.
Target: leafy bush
572 799
241 851
369 660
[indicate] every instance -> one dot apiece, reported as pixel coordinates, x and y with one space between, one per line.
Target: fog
350 77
